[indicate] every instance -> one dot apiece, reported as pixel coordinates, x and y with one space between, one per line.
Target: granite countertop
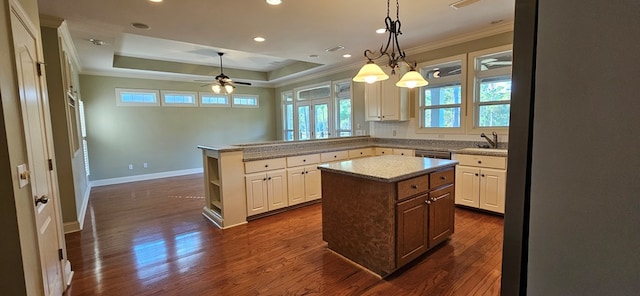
482 151
387 168
222 148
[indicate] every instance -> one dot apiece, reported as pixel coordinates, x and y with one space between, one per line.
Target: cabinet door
412 239
441 213
372 101
256 185
390 99
295 184
276 190
467 186
312 183
492 189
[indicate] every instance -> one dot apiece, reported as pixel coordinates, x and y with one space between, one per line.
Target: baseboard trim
73 226
113 181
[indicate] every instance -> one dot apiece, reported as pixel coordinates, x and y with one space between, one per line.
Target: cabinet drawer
355 153
405 152
294 161
413 186
334 156
437 179
383 151
495 162
264 165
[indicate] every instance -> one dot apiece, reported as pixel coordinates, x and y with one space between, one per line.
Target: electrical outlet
130 167
145 165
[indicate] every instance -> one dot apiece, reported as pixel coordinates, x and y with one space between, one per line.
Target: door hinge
50 164
39 68
60 254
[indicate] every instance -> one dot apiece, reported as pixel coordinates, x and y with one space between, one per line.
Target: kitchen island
383 212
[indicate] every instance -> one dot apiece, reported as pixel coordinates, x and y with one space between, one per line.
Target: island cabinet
383 212
266 185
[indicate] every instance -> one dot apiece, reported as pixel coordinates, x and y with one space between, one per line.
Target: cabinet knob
414 186
482 175
428 202
402 153
304 160
382 152
335 156
476 174
266 165
269 178
360 153
479 161
443 178
264 179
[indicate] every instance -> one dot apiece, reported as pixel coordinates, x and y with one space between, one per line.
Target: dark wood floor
149 238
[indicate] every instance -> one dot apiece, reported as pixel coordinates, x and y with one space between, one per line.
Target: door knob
43 199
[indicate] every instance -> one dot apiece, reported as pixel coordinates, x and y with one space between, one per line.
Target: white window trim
164 93
316 85
296 101
284 104
119 101
471 81
233 105
464 91
202 94
336 114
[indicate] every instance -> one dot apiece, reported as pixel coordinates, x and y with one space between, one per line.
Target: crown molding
70 48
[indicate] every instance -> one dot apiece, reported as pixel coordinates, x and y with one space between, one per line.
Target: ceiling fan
223 81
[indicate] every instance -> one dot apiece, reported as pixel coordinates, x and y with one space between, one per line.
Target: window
344 117
287 115
492 87
179 98
214 100
440 103
245 101
313 109
83 132
137 97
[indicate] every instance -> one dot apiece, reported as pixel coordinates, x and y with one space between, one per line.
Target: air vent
339 47
462 3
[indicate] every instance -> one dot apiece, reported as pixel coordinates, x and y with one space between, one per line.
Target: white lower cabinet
304 184
481 187
266 191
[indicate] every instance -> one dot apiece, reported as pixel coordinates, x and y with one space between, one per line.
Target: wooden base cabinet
441 214
413 231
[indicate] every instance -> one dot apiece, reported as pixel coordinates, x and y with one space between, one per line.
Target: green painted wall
164 137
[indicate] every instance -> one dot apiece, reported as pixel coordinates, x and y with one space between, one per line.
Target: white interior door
34 125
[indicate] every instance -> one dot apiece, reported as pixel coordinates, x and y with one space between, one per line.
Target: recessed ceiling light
346 56
274 2
314 56
381 31
259 39
140 26
156 1
97 42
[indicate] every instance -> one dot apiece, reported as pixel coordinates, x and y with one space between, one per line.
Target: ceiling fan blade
206 84
243 83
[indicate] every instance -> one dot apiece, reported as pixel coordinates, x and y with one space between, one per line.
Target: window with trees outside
344 118
287 115
440 102
492 88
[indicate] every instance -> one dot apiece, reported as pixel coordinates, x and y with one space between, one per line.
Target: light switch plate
23 175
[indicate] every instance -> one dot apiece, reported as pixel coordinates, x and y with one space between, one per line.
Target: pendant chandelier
371 72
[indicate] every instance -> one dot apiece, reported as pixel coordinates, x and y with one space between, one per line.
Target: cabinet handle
443 178
428 202
414 186
476 174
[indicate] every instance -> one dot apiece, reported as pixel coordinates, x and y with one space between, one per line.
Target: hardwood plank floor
150 238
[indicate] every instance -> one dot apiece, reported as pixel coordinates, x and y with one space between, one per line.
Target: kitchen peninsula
383 212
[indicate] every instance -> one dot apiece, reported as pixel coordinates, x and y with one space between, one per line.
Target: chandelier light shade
371 72
216 88
228 88
412 79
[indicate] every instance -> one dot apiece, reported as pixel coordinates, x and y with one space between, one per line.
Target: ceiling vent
462 3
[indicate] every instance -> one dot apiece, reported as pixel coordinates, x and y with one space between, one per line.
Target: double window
317 111
466 92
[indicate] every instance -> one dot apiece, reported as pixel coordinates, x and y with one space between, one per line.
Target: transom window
245 101
214 100
137 97
179 98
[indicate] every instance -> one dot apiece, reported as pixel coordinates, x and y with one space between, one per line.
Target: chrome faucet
494 142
